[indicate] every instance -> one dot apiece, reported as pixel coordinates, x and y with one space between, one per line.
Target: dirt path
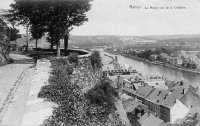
15 82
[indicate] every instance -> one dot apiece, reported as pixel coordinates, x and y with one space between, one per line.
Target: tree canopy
58 17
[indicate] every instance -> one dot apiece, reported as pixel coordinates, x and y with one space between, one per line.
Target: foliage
191 121
37 32
95 60
189 64
13 34
58 62
158 51
3 29
133 119
4 44
73 57
101 97
76 107
57 16
145 54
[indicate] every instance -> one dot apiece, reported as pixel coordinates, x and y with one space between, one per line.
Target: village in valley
153 100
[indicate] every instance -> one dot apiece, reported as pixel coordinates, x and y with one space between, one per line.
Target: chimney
181 83
183 91
159 93
165 96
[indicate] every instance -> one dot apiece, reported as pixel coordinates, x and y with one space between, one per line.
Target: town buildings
153 95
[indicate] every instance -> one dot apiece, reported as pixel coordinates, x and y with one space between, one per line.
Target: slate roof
130 105
151 121
157 95
170 84
170 99
142 91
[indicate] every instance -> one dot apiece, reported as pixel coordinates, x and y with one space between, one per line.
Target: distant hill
104 40
162 37
89 41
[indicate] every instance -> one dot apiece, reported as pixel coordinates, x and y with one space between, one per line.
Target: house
130 105
164 104
141 93
193 58
150 120
153 57
125 97
198 55
118 83
198 64
178 61
157 84
125 80
192 117
151 77
191 99
171 108
152 101
170 84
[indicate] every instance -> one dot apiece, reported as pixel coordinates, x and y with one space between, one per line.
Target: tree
64 14
51 39
3 27
73 57
57 16
17 17
4 44
13 34
37 32
95 60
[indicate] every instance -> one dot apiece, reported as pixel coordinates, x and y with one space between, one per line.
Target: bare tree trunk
16 45
58 48
52 45
26 38
36 43
66 44
13 26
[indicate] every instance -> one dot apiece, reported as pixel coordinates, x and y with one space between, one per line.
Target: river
168 73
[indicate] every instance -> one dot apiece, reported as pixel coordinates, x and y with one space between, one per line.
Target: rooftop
151 121
142 91
130 104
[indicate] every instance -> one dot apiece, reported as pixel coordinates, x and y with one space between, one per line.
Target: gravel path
15 81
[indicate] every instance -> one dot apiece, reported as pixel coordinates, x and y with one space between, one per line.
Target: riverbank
156 63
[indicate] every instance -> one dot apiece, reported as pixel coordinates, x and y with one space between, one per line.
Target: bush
75 108
95 60
58 62
73 57
101 98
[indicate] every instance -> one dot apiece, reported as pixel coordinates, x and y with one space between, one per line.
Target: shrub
75 108
95 60
58 62
73 57
101 98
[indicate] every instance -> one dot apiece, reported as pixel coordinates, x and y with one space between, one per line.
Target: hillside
163 37
78 41
105 40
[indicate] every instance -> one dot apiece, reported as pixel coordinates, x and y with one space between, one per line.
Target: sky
115 17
